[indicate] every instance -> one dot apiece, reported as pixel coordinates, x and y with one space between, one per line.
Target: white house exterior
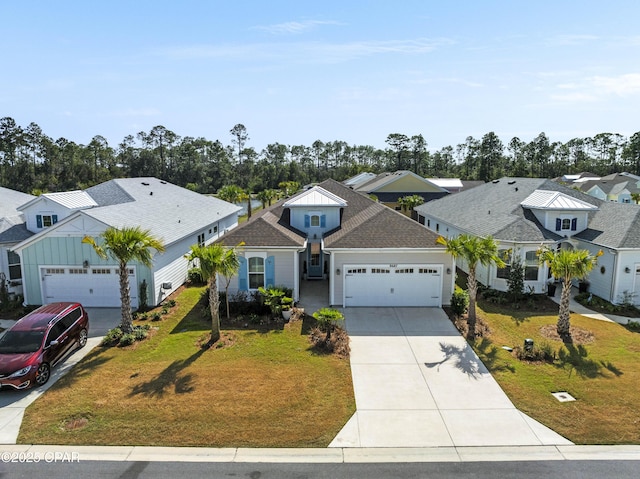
522 214
12 231
57 266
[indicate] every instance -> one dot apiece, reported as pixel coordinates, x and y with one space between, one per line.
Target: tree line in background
32 162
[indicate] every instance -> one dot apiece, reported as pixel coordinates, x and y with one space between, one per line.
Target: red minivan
40 340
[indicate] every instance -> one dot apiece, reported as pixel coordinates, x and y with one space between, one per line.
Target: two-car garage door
393 285
92 286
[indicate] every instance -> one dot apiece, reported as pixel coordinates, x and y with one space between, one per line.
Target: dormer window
315 220
566 224
44 221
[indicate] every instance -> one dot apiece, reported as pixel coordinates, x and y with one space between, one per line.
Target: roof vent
151 193
145 184
495 181
163 182
511 182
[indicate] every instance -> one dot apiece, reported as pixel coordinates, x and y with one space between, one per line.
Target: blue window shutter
39 221
558 224
307 221
574 224
323 221
54 219
242 275
270 272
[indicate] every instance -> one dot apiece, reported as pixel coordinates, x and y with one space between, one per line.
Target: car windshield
16 342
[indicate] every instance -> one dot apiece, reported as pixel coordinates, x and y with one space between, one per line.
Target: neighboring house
616 187
524 213
388 187
369 254
12 231
57 266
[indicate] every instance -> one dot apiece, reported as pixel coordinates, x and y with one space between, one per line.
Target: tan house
388 187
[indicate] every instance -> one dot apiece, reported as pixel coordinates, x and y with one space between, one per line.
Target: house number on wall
392 265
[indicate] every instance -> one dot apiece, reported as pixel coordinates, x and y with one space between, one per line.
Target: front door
314 260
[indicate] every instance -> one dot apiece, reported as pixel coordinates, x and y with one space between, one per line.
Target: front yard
603 374
265 388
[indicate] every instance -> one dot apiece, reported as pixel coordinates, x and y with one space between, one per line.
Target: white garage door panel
93 287
393 285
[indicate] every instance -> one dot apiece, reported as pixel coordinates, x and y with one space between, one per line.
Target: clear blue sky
298 71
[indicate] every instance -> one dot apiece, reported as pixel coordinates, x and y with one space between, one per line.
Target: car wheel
82 338
42 374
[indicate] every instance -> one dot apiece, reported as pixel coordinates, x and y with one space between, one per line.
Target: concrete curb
329 455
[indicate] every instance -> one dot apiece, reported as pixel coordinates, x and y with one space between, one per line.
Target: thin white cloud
306 52
571 40
294 28
623 85
136 112
596 88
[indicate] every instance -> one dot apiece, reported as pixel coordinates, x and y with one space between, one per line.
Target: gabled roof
316 196
365 224
72 200
268 228
11 201
168 211
555 200
446 182
384 179
12 227
354 180
495 209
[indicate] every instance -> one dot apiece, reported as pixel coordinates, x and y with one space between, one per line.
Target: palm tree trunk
214 305
126 323
564 314
472 286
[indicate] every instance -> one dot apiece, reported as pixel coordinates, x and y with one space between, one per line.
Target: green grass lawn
265 388
604 375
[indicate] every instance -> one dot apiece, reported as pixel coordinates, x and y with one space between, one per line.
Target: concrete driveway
13 403
417 383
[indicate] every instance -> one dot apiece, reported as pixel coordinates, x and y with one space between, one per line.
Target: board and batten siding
61 252
339 259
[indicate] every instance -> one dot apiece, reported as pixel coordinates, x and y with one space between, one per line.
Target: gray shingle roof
10 200
12 222
168 211
365 224
494 209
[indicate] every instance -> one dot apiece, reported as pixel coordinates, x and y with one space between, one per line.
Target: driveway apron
418 383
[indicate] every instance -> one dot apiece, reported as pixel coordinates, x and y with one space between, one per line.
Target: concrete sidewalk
418 383
577 308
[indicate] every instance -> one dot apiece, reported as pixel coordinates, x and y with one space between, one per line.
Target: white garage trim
96 286
392 285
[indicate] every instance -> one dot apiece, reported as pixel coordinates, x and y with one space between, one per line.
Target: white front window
256 272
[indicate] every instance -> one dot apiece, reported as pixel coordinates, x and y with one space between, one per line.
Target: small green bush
156 316
459 302
139 334
543 352
112 337
633 326
127 339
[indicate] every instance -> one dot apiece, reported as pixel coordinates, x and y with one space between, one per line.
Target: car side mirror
55 342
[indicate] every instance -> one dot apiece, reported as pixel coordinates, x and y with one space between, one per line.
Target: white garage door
393 285
93 287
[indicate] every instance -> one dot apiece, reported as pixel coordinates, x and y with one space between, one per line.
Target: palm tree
636 197
215 259
125 245
230 193
267 196
567 264
408 203
472 250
